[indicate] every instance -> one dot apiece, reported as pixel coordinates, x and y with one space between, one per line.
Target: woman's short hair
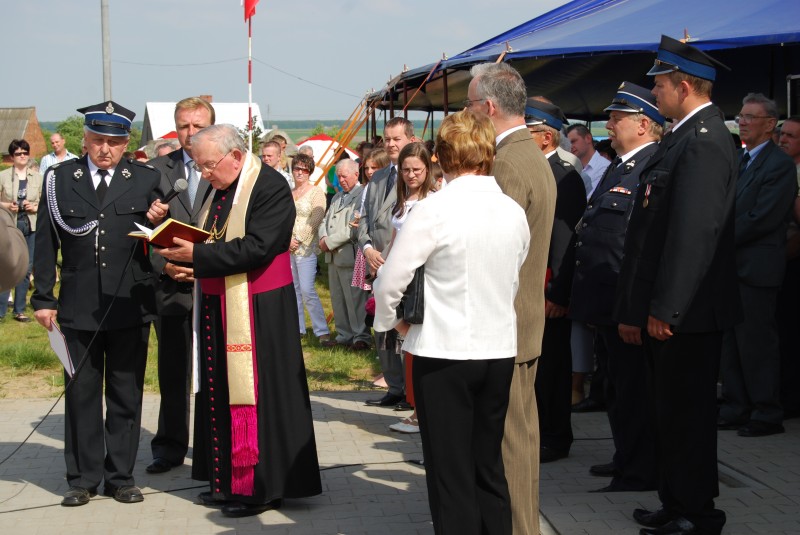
304 159
18 144
380 158
465 144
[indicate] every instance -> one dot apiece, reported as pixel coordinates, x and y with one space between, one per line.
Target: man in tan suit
523 174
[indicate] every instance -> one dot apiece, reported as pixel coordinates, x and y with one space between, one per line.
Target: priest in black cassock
254 436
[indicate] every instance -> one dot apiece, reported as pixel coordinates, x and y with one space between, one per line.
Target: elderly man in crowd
338 242
254 436
554 375
374 235
105 304
522 172
788 310
634 128
765 193
59 154
678 285
174 294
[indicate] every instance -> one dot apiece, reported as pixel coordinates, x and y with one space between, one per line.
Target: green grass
26 360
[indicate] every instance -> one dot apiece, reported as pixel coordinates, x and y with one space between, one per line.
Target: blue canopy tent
578 54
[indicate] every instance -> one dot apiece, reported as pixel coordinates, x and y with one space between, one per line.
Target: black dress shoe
159 466
588 405
653 519
604 470
389 400
238 509
548 455
679 526
728 425
616 486
76 496
207 499
759 428
124 494
403 406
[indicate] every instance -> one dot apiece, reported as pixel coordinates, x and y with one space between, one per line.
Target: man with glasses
174 292
676 292
106 301
522 172
553 383
765 192
254 435
337 241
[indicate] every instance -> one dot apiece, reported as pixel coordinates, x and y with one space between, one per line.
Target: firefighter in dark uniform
106 301
677 290
634 128
554 376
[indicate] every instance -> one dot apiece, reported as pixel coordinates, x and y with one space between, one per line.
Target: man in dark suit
634 128
522 172
173 296
106 301
374 235
678 284
553 383
765 193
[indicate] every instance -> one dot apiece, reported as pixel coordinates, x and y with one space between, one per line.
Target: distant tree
257 133
135 139
320 129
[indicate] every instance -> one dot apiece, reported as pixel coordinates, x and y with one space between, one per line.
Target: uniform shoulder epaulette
565 164
141 164
64 163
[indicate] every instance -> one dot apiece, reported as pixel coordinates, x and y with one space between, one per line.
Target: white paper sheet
59 345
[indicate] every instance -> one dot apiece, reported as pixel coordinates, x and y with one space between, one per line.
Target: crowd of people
501 264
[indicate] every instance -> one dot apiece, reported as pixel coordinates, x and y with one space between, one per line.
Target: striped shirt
52 159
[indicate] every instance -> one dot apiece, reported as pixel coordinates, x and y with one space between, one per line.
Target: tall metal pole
106 50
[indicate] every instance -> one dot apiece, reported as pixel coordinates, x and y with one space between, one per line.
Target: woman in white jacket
472 240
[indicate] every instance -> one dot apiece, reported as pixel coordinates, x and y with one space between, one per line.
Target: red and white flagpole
249 11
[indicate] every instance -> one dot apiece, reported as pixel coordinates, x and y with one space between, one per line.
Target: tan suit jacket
9 188
524 174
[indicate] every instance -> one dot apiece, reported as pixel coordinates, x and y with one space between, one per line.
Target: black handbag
412 304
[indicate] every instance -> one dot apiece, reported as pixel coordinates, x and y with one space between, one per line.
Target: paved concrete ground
368 487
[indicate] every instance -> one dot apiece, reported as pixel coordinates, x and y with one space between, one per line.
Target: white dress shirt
472 239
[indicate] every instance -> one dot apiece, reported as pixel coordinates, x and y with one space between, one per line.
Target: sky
312 59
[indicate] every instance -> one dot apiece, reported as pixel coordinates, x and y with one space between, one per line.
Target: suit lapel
746 178
120 183
82 184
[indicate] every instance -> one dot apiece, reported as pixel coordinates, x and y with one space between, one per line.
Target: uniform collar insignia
703 130
126 173
629 164
78 173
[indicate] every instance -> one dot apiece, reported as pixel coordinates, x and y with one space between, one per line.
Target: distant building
21 123
159 117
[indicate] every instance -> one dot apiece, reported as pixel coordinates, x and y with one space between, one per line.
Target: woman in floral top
309 201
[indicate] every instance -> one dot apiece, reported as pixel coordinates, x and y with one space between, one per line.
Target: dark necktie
390 182
102 186
743 163
343 200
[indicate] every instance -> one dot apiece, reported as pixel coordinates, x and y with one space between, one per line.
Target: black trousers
554 385
461 406
630 411
171 441
685 370
788 314
95 451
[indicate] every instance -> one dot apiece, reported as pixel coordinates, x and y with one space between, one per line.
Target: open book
162 235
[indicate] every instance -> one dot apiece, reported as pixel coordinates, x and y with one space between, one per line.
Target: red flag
249 8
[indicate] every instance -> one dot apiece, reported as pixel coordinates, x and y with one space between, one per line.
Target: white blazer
472 239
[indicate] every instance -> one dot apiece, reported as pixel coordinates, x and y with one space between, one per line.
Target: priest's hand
179 273
182 251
